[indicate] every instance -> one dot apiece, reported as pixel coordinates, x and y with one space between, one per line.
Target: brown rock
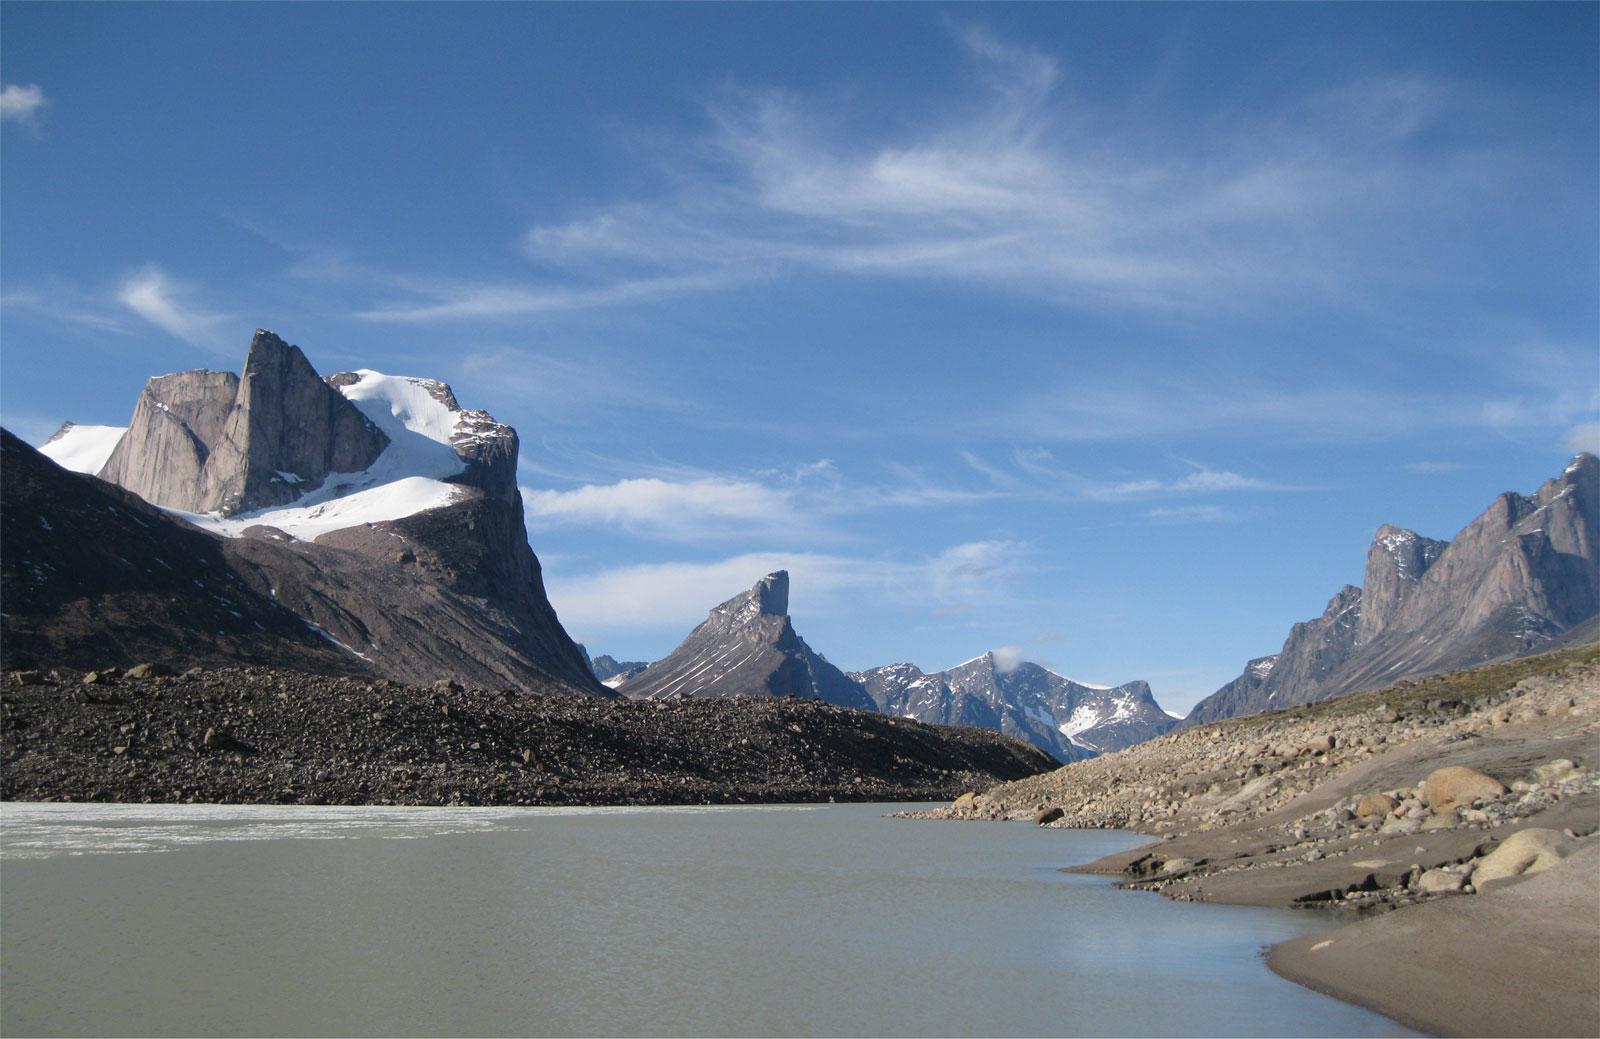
1526 851
1045 816
1375 804
1448 787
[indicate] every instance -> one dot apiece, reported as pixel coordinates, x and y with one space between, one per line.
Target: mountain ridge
1068 719
1513 581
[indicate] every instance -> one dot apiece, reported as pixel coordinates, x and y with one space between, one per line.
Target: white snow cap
83 449
407 478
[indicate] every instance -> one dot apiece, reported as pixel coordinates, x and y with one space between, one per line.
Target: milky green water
827 920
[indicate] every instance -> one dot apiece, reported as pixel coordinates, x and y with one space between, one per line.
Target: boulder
1554 771
1046 816
1320 745
1448 787
1526 851
1375 804
1439 881
965 803
1177 865
151 669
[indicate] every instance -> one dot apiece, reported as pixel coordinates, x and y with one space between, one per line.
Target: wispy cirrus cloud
1025 190
692 509
678 503
453 299
59 301
1034 473
674 596
153 295
1018 186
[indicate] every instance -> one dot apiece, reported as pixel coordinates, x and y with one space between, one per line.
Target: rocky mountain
747 646
372 508
92 575
613 672
1516 580
1067 719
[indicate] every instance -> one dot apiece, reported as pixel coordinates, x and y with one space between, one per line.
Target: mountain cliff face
206 441
371 506
1514 581
1069 720
747 646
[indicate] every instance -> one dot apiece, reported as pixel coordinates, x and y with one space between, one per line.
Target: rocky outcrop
748 646
204 441
1067 719
1396 561
1522 577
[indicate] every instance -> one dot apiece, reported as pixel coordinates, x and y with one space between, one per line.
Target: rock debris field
265 735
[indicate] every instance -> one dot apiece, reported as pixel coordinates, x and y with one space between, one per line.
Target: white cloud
1584 437
454 300
973 570
694 508
1007 658
21 103
1020 188
59 301
673 597
1189 514
155 297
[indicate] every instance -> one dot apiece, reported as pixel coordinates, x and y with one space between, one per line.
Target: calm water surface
825 920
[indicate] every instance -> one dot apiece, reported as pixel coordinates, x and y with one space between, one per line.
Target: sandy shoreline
1444 967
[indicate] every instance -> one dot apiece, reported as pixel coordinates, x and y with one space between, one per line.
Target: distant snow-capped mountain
1069 719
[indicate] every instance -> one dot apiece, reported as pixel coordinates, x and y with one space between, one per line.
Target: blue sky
1108 332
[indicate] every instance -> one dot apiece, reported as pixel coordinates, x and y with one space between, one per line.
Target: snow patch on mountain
82 449
421 420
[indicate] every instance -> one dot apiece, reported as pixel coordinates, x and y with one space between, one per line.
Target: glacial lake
788 920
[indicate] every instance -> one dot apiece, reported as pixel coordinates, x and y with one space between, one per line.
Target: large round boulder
1457 784
1526 851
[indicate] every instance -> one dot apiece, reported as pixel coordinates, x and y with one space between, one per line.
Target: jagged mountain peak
768 597
748 646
